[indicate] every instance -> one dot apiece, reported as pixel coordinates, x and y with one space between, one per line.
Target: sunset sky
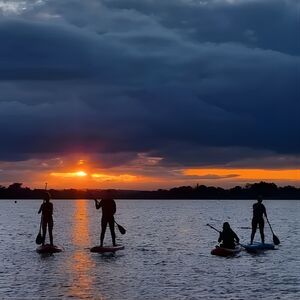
147 94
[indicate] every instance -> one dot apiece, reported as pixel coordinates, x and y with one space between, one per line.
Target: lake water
166 256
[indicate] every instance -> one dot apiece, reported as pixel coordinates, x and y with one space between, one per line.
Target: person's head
226 226
259 199
107 195
47 197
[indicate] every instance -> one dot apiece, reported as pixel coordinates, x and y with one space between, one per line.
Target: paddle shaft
270 226
116 222
40 231
276 240
213 228
46 185
41 223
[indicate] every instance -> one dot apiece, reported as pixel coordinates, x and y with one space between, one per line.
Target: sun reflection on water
81 263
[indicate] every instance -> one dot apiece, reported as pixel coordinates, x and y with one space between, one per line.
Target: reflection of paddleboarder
47 211
259 211
108 205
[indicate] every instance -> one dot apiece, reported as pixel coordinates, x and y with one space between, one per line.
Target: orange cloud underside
246 174
121 177
80 172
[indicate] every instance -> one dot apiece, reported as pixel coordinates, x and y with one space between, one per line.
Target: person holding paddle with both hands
228 237
46 219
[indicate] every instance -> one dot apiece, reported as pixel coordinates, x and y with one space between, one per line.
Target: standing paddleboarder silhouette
108 206
47 220
259 211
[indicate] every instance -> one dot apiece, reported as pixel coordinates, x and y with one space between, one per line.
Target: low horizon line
151 190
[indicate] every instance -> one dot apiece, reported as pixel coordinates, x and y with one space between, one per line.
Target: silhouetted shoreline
249 191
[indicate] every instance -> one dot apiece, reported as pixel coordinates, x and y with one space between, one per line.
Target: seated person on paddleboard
47 221
259 211
108 205
228 237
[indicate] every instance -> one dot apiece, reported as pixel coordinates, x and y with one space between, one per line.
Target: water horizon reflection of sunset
81 263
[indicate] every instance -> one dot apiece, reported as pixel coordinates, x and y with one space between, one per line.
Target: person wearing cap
47 220
228 237
259 211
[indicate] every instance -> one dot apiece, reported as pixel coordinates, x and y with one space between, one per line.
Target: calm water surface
166 256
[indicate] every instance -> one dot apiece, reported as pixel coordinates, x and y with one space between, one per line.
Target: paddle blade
121 229
276 240
39 239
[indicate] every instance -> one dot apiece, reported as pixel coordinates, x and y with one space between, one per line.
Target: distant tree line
249 191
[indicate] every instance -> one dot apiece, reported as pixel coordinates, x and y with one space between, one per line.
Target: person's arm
265 212
51 209
236 238
220 238
40 210
97 204
114 207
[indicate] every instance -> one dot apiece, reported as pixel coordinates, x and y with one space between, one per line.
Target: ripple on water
166 256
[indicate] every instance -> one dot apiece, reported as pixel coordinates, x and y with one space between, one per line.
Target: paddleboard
256 246
98 249
224 252
48 249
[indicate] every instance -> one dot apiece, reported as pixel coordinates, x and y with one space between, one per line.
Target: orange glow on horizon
245 174
121 177
81 173
127 178
69 174
87 179
96 176
84 171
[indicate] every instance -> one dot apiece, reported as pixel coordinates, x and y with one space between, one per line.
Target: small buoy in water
16 201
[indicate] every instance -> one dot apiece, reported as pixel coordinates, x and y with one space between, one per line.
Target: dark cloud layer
174 79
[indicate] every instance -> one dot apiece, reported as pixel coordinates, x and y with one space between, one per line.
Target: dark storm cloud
267 24
172 78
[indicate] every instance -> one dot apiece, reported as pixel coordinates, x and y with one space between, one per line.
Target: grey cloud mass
174 79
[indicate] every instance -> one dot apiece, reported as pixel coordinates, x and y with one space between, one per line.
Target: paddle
213 228
275 238
39 238
121 228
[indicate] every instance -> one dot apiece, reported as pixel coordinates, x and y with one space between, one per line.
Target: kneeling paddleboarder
108 205
228 237
47 220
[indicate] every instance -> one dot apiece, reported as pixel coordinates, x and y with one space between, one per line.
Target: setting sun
69 174
81 174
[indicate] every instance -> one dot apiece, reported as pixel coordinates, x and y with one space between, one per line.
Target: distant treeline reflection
249 191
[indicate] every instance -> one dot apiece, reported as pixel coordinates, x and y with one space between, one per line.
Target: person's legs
44 229
254 227
50 229
103 229
112 230
261 230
